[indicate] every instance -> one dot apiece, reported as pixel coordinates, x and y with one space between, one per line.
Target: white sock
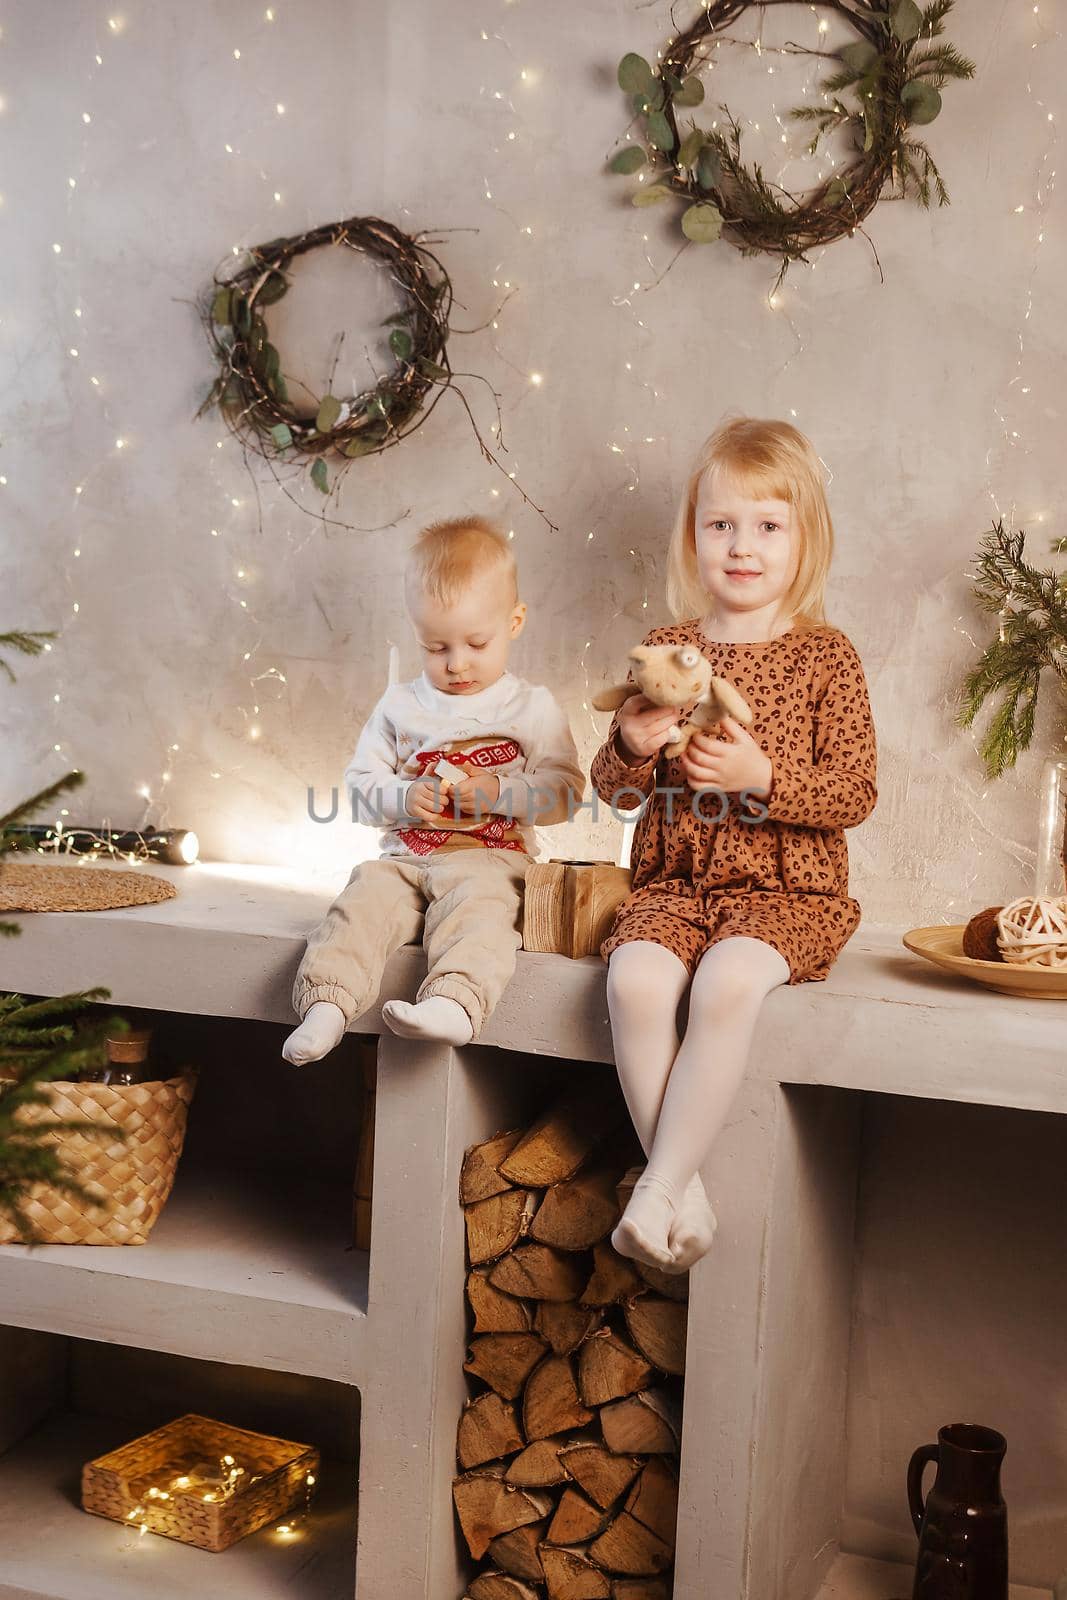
321 1031
436 1017
643 1232
693 1228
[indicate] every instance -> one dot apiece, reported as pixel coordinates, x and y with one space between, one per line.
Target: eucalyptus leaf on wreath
319 475
660 132
650 196
920 100
328 413
630 160
690 148
635 74
702 223
906 21
690 94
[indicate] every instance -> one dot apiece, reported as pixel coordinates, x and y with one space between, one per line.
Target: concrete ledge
230 943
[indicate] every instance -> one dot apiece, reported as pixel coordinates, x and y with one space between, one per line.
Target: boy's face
465 644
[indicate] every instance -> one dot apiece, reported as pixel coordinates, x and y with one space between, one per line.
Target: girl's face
747 551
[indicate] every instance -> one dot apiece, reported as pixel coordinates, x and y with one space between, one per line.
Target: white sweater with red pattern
513 729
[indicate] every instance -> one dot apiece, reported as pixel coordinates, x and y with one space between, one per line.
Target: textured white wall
933 396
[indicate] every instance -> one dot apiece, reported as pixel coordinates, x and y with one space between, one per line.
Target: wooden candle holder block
570 905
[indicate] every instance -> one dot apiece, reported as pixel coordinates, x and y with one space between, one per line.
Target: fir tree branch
27 644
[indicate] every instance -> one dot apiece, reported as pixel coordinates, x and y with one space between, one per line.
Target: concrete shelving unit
775 1504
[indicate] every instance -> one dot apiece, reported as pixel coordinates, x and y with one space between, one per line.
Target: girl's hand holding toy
644 727
731 764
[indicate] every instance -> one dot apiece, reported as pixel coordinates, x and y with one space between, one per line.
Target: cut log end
551 1403
487 1506
570 1575
614 1278
480 1177
497 1224
488 1429
648 1423
658 1329
504 1360
538 1272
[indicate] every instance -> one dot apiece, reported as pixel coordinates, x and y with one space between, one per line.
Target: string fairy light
86 351
154 1506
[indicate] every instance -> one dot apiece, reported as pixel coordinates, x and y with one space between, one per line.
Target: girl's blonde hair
764 460
448 556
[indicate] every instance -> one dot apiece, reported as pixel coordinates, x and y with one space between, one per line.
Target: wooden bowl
943 946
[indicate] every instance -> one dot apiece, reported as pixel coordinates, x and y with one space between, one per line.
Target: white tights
679 1095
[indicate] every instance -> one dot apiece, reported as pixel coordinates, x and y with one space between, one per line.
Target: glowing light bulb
280 109
536 378
86 118
58 248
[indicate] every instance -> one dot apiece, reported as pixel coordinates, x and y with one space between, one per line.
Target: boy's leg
379 909
472 930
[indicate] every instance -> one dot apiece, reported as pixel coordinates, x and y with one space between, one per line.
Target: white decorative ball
1032 931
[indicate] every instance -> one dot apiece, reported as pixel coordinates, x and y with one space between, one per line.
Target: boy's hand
476 796
427 799
730 761
645 728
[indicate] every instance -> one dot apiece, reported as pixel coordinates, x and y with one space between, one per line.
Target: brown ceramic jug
963 1523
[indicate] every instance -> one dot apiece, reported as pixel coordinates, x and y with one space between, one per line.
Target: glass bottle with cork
128 1058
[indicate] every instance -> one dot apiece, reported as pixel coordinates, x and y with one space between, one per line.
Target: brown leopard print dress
783 876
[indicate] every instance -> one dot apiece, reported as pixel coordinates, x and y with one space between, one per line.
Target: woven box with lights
203 1482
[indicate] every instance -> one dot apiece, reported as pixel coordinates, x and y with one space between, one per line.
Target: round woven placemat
31 888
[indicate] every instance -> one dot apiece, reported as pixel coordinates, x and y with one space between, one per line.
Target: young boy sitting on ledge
456 768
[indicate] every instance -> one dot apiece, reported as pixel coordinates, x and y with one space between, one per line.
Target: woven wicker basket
152 1482
131 1177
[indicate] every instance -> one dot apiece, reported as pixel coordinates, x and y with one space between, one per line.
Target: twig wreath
896 75
250 389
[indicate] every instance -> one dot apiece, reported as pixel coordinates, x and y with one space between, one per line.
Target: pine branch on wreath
1032 606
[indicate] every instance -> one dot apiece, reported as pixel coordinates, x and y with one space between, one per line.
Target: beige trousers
464 904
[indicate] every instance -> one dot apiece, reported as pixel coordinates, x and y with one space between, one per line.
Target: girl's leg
645 985
729 986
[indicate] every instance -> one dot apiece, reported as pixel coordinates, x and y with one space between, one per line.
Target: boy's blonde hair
448 556
764 460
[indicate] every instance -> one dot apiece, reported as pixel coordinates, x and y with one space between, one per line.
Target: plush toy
678 675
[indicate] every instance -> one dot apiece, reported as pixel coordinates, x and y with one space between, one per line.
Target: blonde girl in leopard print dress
740 864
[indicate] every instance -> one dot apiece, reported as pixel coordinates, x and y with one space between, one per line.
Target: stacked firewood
567 1452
